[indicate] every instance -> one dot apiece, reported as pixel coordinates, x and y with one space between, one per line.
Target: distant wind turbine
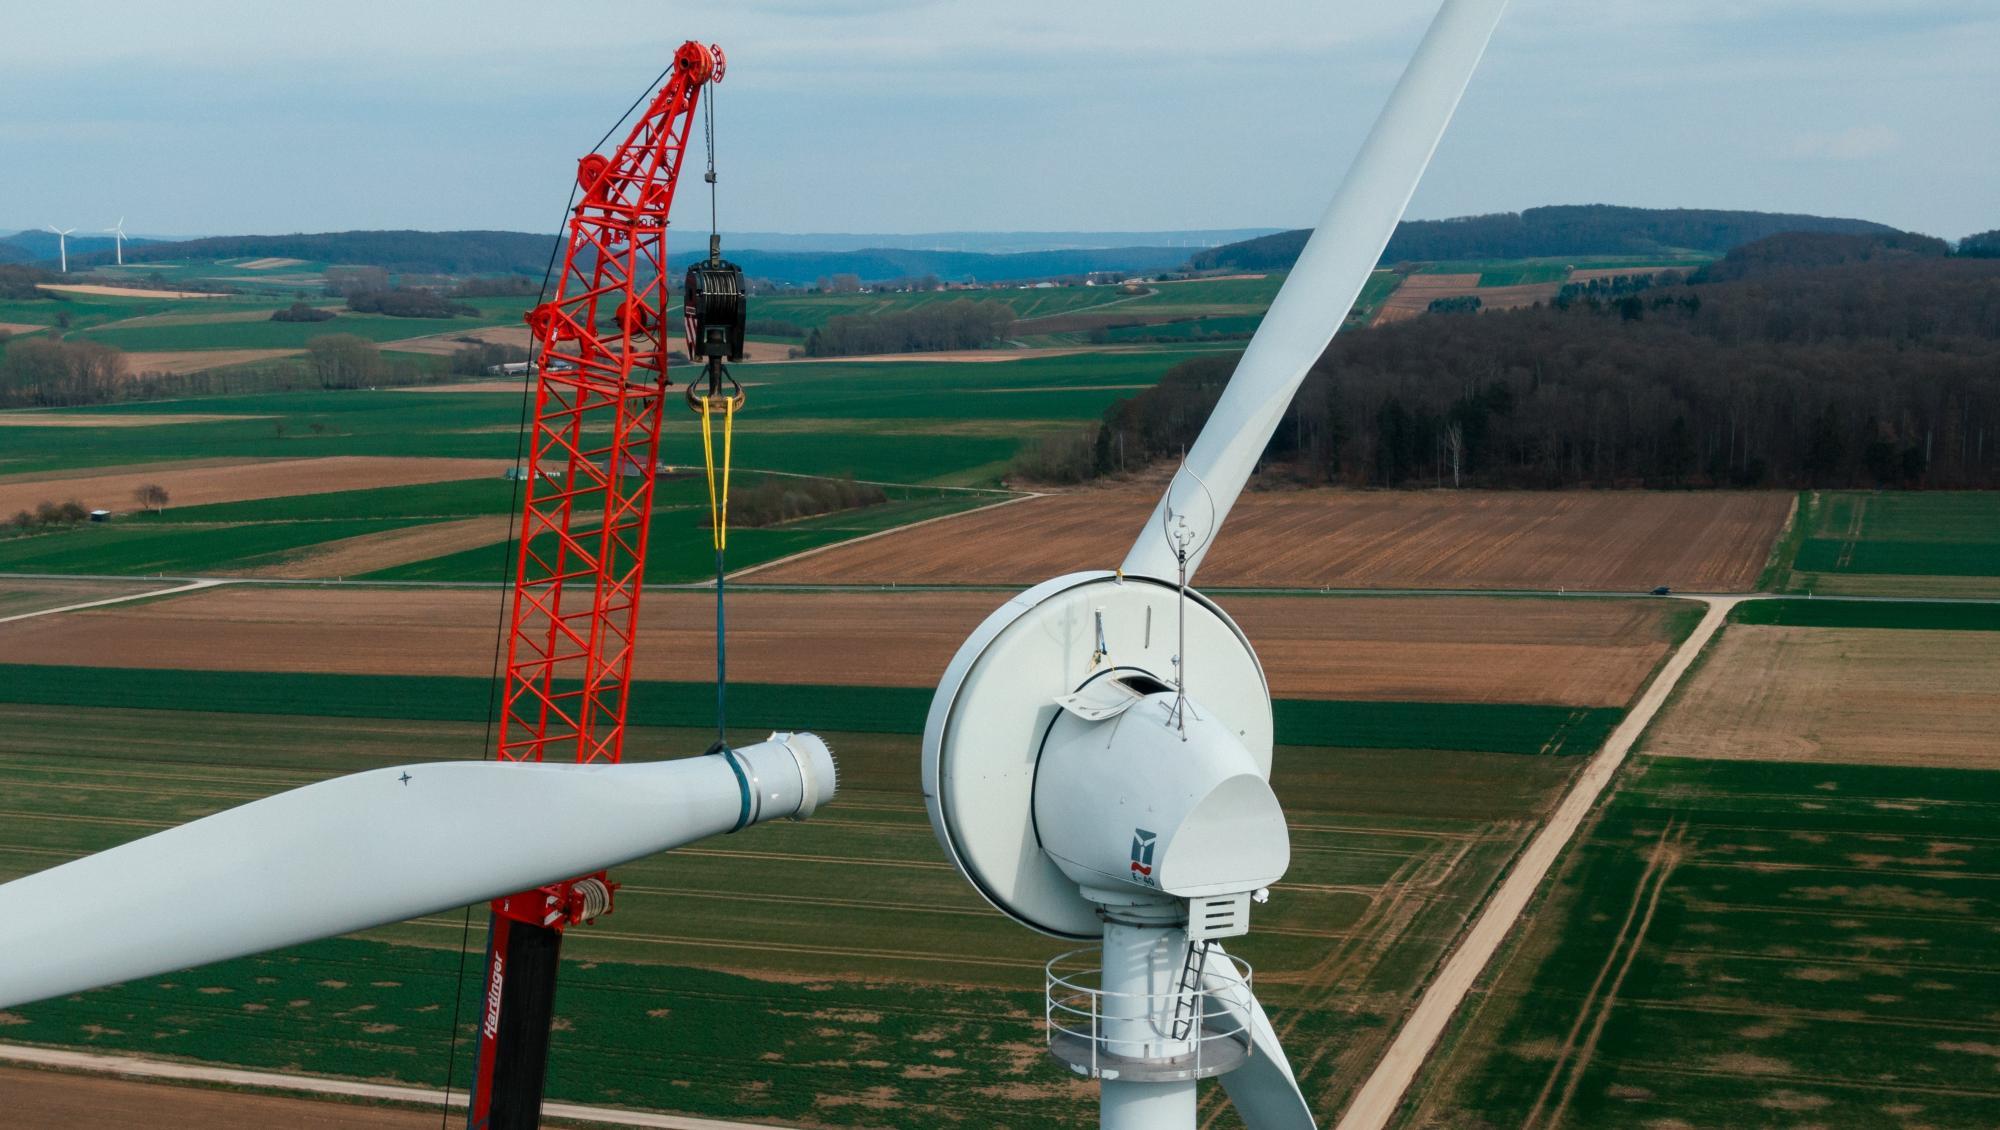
117 233
62 244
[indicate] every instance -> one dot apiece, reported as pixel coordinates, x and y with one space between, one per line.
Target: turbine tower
117 234
62 244
1097 758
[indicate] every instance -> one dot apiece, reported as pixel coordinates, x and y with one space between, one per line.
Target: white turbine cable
1331 271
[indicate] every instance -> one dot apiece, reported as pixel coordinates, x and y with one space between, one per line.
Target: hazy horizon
913 117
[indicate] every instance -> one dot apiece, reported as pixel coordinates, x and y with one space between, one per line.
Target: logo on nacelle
1142 856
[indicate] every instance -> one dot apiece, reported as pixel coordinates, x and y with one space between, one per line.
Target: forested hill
520 253
1564 229
428 252
1876 370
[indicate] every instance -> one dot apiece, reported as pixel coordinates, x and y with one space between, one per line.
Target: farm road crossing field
1609 540
1434 649
1745 943
197 483
917 1008
1871 695
22 595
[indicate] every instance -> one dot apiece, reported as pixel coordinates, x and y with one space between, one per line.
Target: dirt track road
1377 1100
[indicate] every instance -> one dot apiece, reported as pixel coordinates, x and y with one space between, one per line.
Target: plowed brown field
176 361
1866 695
365 553
1608 540
1578 652
60 1101
198 484
1416 293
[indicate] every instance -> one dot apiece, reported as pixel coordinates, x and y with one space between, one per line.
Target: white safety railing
1076 1008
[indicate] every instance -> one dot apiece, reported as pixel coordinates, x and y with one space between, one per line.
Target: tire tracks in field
1601 999
1378 1099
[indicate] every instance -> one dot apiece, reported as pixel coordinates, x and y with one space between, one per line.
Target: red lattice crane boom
602 344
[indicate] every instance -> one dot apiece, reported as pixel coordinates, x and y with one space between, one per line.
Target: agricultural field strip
1377 1100
744 572
133 1067
761 946
1701 977
192 586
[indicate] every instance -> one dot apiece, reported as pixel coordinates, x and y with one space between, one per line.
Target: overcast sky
223 116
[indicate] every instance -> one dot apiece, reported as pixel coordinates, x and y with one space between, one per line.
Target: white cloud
1858 143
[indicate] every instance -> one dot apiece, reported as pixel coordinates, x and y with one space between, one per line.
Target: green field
1751 944
1905 543
181 333
812 310
680 551
906 422
87 310
853 979
143 548
1939 615
1506 728
922 424
244 536
1516 272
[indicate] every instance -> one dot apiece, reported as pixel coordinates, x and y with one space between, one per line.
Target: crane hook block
716 310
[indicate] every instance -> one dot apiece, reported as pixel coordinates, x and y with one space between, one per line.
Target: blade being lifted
1331 271
373 848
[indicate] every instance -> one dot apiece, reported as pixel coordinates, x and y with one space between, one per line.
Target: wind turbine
117 233
62 244
1097 757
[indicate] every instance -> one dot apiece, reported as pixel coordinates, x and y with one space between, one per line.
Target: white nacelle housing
1122 802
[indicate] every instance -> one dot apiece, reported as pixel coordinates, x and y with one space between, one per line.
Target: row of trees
772 499
19 282
47 515
958 324
475 357
401 302
1877 373
42 372
300 312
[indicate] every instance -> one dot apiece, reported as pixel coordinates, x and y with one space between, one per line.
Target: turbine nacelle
1128 800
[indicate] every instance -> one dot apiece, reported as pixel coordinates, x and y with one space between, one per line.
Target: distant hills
991 242
504 252
34 246
805 259
1566 229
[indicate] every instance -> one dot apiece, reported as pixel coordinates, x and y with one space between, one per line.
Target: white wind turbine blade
373 848
1264 1092
1330 272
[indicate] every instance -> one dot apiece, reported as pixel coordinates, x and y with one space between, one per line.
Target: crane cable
718 514
719 491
